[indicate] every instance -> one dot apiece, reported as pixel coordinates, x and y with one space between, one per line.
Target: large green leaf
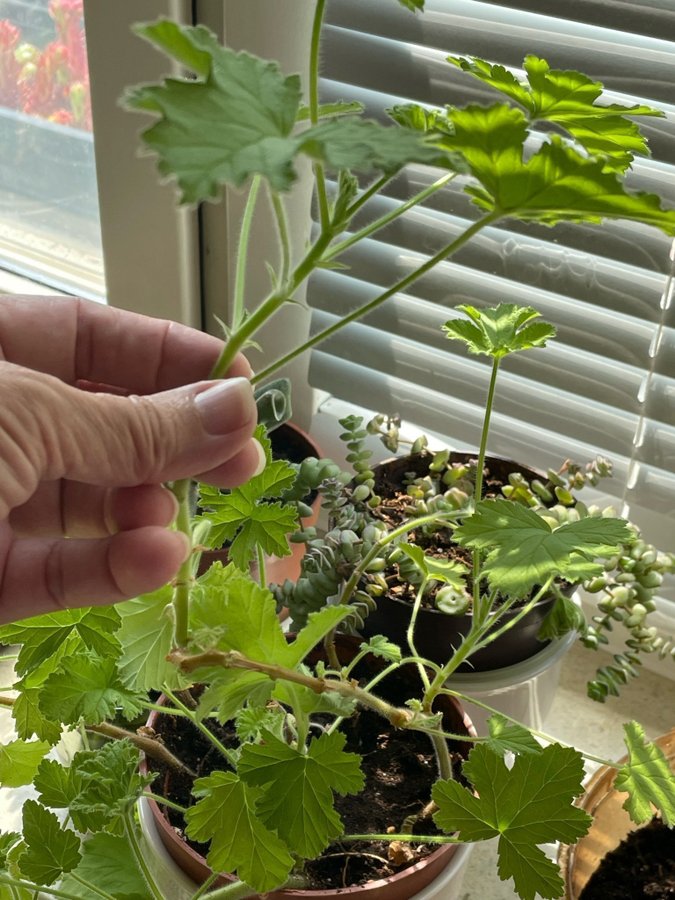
648 778
299 802
19 761
523 550
146 637
510 737
499 330
568 98
107 862
233 121
226 815
50 849
43 636
555 184
89 689
524 806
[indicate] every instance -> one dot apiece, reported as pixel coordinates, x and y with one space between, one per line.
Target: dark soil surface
400 769
641 868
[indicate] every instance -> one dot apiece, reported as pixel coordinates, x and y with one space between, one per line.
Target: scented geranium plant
273 715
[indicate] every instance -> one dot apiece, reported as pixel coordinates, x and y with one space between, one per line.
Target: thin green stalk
82 728
210 881
164 802
238 890
337 249
139 856
196 721
92 888
181 593
165 710
365 195
540 734
476 555
489 638
319 174
408 838
367 308
31 886
410 633
238 300
284 240
262 576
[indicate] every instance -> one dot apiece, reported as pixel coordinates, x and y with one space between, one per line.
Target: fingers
106 346
46 576
50 431
73 509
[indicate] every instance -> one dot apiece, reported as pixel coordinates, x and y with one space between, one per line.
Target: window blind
607 383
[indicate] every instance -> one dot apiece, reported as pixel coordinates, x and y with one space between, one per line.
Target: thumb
50 430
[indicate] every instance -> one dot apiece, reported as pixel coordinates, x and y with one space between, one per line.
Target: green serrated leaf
251 721
523 550
433 569
300 804
499 330
647 777
246 517
529 804
43 636
229 690
19 761
509 737
107 862
90 689
555 184
380 646
564 616
318 625
235 120
146 637
50 849
569 99
7 840
227 816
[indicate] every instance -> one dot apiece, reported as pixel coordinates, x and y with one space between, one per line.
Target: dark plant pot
611 825
437 633
403 885
48 163
291 443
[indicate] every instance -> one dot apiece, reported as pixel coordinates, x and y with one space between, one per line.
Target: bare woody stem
148 745
399 718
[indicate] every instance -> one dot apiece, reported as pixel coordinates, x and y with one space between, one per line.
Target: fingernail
226 406
262 459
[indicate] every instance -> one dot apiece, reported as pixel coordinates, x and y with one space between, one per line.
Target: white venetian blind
607 383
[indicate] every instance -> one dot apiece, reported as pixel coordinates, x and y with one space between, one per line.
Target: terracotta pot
291 443
402 886
436 633
611 824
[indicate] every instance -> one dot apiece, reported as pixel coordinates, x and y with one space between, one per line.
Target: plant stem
97 891
164 802
410 633
31 886
489 638
262 576
210 881
238 300
181 593
478 493
284 240
139 858
196 721
337 249
231 659
319 175
238 890
148 745
401 285
408 838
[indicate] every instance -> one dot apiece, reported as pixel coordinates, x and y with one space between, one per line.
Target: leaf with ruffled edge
647 777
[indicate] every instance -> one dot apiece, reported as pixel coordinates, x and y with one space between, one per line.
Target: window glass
49 221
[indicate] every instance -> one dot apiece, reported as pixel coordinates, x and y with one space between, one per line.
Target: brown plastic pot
437 633
291 443
402 886
611 824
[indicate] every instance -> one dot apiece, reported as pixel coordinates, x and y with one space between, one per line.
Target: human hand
89 464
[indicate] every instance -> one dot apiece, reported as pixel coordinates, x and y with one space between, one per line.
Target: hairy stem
181 593
148 745
139 856
200 726
319 175
238 300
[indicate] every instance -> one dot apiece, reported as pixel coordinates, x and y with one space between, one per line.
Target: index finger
80 340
